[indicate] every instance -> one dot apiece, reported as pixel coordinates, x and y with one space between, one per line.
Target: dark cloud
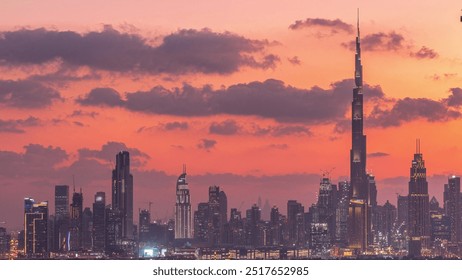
334 25
185 51
381 41
455 99
269 99
410 109
294 60
227 127
26 94
109 150
206 144
175 126
17 126
80 113
425 53
101 96
282 130
437 77
378 154
36 160
78 123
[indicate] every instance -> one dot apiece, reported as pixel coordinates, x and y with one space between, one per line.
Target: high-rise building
35 228
99 222
145 223
418 208
201 221
183 219
87 228
253 218
122 195
236 234
61 226
452 206
386 222
4 241
326 206
359 209
341 216
75 235
295 223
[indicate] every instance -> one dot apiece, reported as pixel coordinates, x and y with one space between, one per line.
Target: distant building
75 235
99 222
61 224
183 219
122 196
295 223
418 207
35 228
87 228
144 225
452 206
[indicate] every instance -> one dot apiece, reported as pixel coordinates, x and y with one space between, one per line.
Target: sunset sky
253 96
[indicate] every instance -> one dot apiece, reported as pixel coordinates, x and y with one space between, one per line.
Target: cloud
185 51
206 144
391 41
455 99
294 60
109 150
101 96
381 41
26 94
17 126
227 127
425 53
410 109
437 77
175 126
80 113
282 130
269 99
334 26
378 154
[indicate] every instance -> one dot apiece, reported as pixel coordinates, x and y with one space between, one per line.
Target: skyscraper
35 228
75 235
295 222
122 194
99 222
61 217
144 222
419 215
183 219
452 206
359 209
87 227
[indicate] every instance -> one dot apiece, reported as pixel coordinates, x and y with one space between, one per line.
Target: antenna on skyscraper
184 168
417 146
357 22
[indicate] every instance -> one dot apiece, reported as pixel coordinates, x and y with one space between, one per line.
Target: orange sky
323 61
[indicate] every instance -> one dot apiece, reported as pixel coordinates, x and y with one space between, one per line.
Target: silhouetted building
452 206
75 235
403 212
419 215
99 222
236 234
359 210
385 223
295 223
276 227
372 202
183 219
35 228
440 227
122 195
145 223
341 217
61 224
327 206
113 230
253 218
201 221
87 228
4 241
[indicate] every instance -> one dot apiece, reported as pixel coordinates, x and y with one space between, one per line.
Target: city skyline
228 147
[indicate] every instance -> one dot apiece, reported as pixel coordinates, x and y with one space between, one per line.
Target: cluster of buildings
345 222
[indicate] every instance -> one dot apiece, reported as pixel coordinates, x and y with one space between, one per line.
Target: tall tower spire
359 220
